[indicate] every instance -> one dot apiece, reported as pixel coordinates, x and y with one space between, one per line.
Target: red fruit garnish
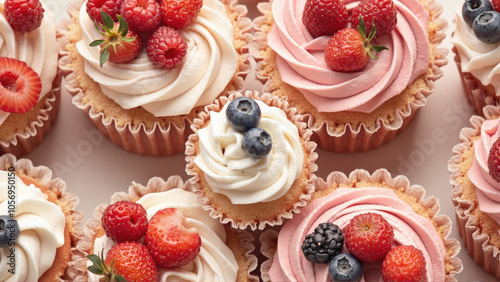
142 15
24 15
494 160
178 14
369 237
126 261
168 240
404 263
110 7
20 86
166 48
324 17
120 44
124 221
350 50
382 12
496 5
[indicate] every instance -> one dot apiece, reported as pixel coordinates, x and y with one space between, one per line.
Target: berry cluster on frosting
484 18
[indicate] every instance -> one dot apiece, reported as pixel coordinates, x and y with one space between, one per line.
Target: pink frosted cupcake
351 111
414 218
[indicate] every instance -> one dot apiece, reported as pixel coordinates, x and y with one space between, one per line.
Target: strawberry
142 15
20 86
496 5
369 237
350 50
178 14
110 7
324 17
120 44
382 12
494 160
166 48
126 261
124 221
168 240
24 15
404 263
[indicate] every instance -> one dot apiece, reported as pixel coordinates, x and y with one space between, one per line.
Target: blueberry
345 267
257 143
473 8
9 231
243 113
486 27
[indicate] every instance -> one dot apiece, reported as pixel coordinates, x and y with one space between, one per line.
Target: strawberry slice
20 86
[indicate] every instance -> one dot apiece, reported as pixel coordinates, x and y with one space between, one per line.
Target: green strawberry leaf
96 43
104 56
119 278
123 27
362 27
95 270
128 39
107 20
373 31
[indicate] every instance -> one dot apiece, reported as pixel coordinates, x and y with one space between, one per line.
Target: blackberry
324 243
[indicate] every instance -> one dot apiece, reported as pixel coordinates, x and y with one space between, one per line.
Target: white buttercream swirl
230 171
215 262
42 231
208 67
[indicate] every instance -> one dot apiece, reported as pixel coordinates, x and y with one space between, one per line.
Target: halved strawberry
20 86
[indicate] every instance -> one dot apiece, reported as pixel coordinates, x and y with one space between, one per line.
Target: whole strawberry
166 48
110 7
178 14
350 50
141 15
171 244
382 12
126 261
494 160
20 86
124 221
24 15
324 17
369 237
404 263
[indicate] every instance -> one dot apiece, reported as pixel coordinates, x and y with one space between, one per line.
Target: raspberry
324 17
142 15
404 263
494 160
383 12
496 5
166 48
110 7
24 15
124 221
178 14
323 244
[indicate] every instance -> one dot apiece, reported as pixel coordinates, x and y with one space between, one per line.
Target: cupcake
47 220
475 192
28 52
142 107
476 59
225 253
413 217
238 187
351 111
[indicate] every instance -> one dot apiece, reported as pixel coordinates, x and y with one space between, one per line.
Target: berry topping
9 231
243 114
24 15
345 267
171 244
496 5
119 44
126 261
369 237
257 143
382 12
350 50
142 15
324 17
110 7
494 160
473 8
20 86
178 14
404 263
486 27
124 221
324 243
166 48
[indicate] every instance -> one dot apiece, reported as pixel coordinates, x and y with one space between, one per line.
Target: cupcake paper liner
400 183
361 137
160 140
476 242
44 175
308 146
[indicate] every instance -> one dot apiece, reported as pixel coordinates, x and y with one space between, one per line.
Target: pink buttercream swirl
339 207
300 59
488 189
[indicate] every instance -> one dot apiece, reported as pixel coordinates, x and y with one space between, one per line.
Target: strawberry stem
367 40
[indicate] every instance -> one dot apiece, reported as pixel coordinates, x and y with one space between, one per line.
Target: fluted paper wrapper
161 140
476 242
382 177
92 227
360 137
